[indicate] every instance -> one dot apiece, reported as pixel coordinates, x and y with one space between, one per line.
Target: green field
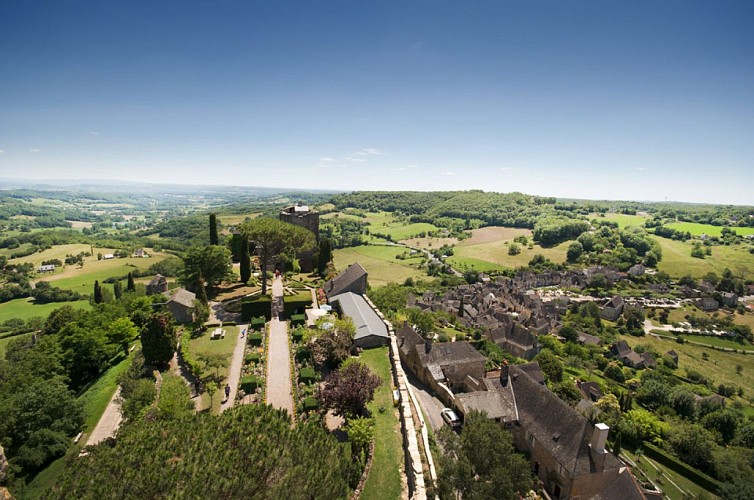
623 220
385 223
487 249
697 229
26 308
205 345
677 260
380 262
6 340
384 481
719 366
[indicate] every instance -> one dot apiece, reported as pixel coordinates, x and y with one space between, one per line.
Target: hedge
307 375
255 339
298 319
256 306
295 304
297 335
311 403
250 383
193 365
229 323
252 358
302 353
257 323
681 468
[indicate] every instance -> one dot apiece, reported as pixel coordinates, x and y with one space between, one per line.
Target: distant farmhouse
47 268
158 284
302 215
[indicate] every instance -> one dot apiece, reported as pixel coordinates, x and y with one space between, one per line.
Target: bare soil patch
494 233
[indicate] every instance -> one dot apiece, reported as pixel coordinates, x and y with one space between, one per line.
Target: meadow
697 229
380 263
623 220
385 223
203 344
487 250
677 260
26 308
6 340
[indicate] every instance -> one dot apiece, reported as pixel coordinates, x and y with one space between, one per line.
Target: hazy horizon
635 101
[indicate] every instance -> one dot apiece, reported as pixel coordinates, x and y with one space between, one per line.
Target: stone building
302 215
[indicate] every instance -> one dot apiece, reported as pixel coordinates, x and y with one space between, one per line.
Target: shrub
311 403
293 304
297 335
252 358
250 383
307 375
302 353
257 323
298 320
255 339
256 306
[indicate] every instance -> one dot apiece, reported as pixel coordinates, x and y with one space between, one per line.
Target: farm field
697 229
26 308
692 310
719 366
623 220
380 262
385 223
428 243
487 249
677 260
234 220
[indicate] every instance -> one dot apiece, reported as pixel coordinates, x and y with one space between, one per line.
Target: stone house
353 279
515 339
707 304
303 216
729 299
181 305
612 309
158 284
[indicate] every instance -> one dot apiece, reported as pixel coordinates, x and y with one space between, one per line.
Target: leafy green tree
213 238
550 365
245 267
575 250
325 255
723 423
640 425
481 462
121 332
514 249
389 298
360 433
693 444
158 340
424 321
333 346
569 333
613 371
682 400
140 394
175 399
567 391
274 238
609 410
213 361
212 263
348 390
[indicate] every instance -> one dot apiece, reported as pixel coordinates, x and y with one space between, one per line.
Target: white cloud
398 169
351 158
642 169
368 151
506 168
2 151
449 173
93 132
35 150
326 160
411 165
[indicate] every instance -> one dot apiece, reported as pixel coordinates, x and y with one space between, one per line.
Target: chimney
504 368
599 436
427 345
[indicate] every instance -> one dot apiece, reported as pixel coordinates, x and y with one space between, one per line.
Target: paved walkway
234 371
279 390
108 422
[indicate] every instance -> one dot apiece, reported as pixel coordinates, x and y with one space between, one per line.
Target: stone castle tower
302 215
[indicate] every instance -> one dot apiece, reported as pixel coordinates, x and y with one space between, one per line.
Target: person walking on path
227 392
243 333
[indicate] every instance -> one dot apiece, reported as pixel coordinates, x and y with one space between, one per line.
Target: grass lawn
380 262
697 229
384 481
677 260
26 308
719 366
487 249
81 279
204 345
430 243
6 340
673 485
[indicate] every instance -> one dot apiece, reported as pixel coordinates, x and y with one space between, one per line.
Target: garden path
108 422
278 382
234 370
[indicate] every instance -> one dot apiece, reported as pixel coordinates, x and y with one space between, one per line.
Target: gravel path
234 371
279 392
108 422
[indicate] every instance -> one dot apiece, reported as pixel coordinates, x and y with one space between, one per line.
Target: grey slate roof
364 318
448 353
339 283
183 297
546 417
496 401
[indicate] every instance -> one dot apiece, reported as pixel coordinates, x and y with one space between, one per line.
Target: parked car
450 417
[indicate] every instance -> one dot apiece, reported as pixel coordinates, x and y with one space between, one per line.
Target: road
430 405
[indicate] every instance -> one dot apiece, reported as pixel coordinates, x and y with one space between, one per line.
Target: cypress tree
213 239
118 289
245 262
97 293
325 256
201 292
131 286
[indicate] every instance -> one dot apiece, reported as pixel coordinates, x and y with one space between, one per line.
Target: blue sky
640 100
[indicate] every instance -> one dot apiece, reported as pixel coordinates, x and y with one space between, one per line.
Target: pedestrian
227 392
243 333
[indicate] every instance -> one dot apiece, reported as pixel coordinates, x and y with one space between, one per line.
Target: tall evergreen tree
325 255
158 341
118 289
97 292
213 239
201 291
130 285
245 262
